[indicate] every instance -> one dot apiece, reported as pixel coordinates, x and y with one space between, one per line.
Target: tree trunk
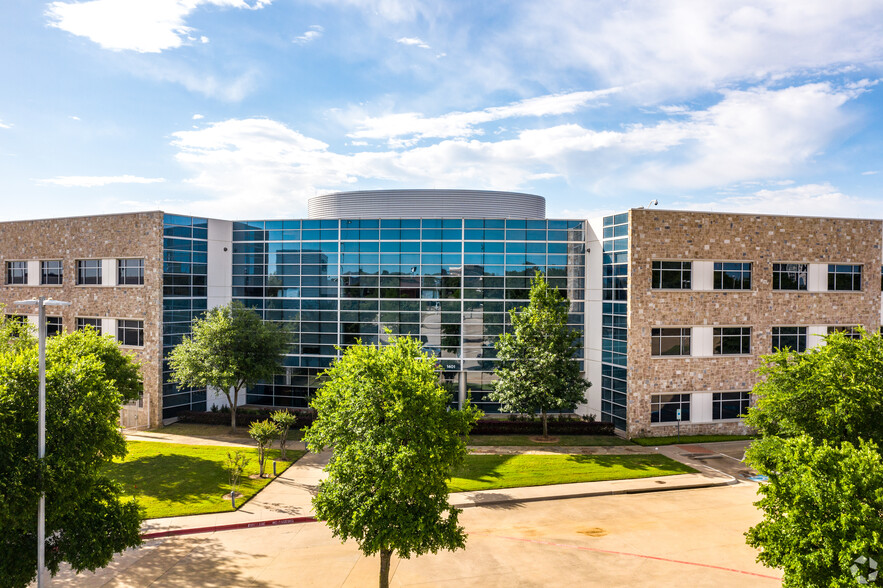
545 425
233 409
385 557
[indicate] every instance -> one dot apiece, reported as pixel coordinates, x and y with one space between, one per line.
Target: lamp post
41 303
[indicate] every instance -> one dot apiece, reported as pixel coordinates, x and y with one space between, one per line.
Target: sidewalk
289 495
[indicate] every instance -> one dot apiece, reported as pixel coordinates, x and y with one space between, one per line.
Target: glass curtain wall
449 282
614 331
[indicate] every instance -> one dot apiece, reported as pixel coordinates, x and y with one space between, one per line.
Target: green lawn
673 440
563 440
170 480
487 472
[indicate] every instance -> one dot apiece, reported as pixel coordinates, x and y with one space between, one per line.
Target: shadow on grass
482 468
172 478
641 462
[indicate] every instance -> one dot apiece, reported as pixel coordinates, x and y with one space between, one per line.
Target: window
729 405
95 323
850 332
664 407
790 276
16 272
844 277
53 326
670 342
50 272
732 276
89 271
131 272
732 340
673 275
794 338
130 333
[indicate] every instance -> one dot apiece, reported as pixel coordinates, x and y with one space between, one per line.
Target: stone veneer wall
108 237
762 240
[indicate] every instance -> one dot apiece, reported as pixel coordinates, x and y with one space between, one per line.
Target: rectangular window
732 340
16 272
50 272
794 338
89 271
850 332
729 405
844 278
131 272
95 323
672 275
130 333
732 276
790 276
53 326
670 342
664 407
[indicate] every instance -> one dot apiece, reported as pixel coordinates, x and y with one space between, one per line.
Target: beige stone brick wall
97 237
762 240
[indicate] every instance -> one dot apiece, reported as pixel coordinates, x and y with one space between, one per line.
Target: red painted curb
230 527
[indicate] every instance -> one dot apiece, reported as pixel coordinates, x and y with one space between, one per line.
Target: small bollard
233 499
274 468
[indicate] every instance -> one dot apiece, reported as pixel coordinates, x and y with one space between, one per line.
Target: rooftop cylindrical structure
427 204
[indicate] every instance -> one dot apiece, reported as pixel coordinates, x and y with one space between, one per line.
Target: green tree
264 433
87 380
820 414
395 443
537 370
229 348
284 420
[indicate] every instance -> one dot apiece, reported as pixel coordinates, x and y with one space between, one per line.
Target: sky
244 109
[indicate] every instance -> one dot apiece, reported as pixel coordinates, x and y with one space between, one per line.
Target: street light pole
41 304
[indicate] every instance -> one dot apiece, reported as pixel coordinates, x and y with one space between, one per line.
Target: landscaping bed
558 441
673 439
170 479
489 472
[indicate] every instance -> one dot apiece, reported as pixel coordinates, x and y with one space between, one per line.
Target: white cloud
463 124
198 117
413 41
95 181
309 36
809 199
870 173
208 84
145 26
4 125
72 117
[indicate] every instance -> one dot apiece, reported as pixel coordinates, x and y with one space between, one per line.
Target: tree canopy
537 370
229 348
820 414
87 379
395 443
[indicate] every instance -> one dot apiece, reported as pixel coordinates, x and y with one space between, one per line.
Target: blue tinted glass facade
449 282
185 246
614 330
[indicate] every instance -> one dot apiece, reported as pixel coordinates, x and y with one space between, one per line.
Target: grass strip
170 479
673 439
563 441
488 472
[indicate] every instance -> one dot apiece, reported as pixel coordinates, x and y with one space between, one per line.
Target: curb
228 527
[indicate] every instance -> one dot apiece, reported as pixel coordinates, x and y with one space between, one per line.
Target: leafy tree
229 348
537 371
264 433
235 465
87 380
395 443
284 420
820 414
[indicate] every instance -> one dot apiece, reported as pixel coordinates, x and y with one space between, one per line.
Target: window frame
44 272
18 275
97 325
122 271
124 329
837 269
780 269
718 403
774 336
718 336
683 337
57 323
851 331
720 272
84 272
658 408
658 274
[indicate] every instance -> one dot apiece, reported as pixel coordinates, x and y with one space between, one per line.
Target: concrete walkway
290 494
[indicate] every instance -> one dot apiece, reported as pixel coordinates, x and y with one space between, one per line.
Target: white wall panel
703 275
702 342
817 280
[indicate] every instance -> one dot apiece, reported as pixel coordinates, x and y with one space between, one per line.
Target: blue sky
246 108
